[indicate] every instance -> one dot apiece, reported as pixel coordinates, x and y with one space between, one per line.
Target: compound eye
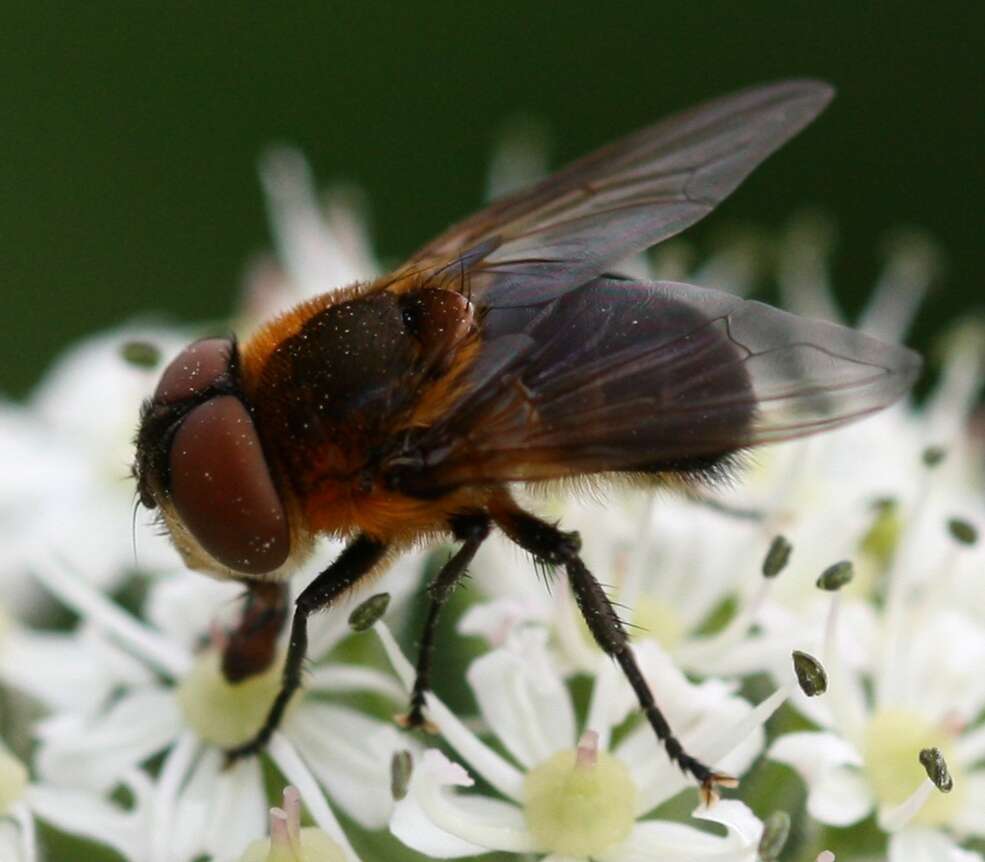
222 489
194 370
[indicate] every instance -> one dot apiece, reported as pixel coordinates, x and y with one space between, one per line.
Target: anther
777 557
367 613
811 676
835 577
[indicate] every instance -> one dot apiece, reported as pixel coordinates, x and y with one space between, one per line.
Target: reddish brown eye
222 488
193 370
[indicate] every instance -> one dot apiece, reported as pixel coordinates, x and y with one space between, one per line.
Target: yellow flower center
578 805
315 846
659 621
224 713
651 619
891 749
13 780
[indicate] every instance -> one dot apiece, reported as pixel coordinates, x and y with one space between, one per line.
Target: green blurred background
131 131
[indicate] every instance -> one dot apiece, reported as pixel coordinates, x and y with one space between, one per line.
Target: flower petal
433 820
293 769
916 844
94 752
220 811
83 813
522 697
350 755
971 818
840 796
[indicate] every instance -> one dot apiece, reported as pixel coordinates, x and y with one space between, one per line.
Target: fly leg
472 531
556 548
357 560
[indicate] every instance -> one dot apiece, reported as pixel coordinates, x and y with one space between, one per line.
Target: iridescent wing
535 244
626 376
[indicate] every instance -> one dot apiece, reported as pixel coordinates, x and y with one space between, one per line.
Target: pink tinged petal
97 609
523 699
971 818
919 844
335 678
86 814
294 770
840 796
94 752
350 755
444 825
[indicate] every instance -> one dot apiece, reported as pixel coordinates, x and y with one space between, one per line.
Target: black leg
351 565
472 530
554 547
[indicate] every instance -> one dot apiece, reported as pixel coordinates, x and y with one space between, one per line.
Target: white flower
660 570
184 708
65 457
524 701
927 694
122 827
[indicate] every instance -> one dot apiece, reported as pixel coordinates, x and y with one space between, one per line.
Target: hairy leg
357 560
554 547
472 530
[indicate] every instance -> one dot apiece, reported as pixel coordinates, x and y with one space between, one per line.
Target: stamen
401 769
292 811
896 818
837 576
140 354
811 675
777 557
962 531
933 761
587 752
776 831
829 646
367 613
579 802
933 456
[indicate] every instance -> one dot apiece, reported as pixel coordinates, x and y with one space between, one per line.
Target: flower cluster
857 552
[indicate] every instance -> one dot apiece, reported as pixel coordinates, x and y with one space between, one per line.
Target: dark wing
621 375
535 244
